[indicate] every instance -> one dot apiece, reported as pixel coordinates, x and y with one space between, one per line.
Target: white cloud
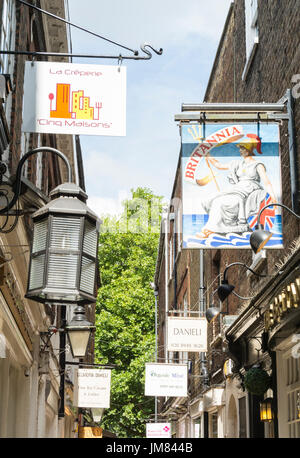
103 206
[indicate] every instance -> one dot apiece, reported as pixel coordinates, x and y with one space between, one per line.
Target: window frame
251 33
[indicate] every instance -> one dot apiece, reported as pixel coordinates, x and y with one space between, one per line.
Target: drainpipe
166 287
172 217
292 152
203 368
155 291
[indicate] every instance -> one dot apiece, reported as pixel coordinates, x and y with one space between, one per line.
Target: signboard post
166 380
187 334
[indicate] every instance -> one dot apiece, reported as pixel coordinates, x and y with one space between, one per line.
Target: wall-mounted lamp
225 288
63 259
97 414
79 331
64 249
267 410
212 313
260 236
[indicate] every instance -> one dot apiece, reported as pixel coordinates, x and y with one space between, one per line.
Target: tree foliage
125 310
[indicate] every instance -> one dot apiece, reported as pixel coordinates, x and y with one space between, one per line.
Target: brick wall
275 62
270 75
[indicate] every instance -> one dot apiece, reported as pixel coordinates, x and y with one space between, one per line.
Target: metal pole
202 313
62 362
292 152
156 355
17 182
166 287
235 107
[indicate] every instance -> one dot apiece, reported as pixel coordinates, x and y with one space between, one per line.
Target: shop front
282 323
264 343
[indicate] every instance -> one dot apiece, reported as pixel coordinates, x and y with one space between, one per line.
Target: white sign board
166 380
92 388
158 430
187 334
67 98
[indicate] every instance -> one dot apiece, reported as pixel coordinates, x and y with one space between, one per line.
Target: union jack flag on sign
267 218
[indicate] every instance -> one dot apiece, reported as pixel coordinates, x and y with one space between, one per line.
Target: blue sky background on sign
189 34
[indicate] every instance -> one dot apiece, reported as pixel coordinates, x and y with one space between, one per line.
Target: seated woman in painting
229 210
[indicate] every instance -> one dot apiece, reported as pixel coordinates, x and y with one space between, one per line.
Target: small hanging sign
92 388
158 430
166 379
75 99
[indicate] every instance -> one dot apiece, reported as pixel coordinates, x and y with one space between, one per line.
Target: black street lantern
79 330
63 260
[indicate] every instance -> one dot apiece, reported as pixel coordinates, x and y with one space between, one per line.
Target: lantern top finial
67 199
68 190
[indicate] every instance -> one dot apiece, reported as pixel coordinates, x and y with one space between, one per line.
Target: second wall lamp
225 288
260 236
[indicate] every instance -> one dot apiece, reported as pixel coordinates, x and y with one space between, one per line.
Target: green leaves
125 310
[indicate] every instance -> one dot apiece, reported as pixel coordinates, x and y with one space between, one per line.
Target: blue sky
147 156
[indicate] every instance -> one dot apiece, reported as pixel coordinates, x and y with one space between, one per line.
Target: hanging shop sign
158 430
187 334
90 432
92 388
166 379
229 172
67 98
282 304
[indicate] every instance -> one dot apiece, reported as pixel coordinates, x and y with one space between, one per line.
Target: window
288 386
197 428
293 396
171 258
251 31
7 35
184 355
243 417
25 143
214 425
179 228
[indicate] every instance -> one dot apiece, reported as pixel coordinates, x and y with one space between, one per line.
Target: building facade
36 391
257 61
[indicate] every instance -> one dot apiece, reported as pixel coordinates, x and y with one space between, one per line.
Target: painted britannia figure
249 184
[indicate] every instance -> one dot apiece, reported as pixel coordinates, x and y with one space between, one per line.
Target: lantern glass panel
40 231
87 279
65 233
62 271
36 278
79 340
90 239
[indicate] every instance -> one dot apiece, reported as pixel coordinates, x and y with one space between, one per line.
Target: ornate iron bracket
57 54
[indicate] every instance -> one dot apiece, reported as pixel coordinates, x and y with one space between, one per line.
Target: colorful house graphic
72 104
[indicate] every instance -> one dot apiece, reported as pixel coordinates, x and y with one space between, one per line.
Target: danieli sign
187 334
